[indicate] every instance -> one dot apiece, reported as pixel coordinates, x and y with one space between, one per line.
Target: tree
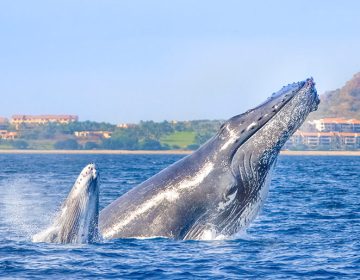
69 144
87 125
125 142
91 146
151 144
20 144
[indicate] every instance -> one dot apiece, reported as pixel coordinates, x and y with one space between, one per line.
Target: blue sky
125 61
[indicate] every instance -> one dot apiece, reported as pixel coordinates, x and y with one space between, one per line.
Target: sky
126 61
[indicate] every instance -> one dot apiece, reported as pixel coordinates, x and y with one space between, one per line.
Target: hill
343 102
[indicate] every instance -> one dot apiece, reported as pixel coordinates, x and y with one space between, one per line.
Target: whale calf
77 220
218 190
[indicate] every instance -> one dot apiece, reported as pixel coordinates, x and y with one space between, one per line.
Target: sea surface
309 227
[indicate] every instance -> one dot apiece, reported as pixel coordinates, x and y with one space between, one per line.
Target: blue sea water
309 227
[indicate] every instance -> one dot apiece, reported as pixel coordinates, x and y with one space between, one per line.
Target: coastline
320 153
100 152
168 152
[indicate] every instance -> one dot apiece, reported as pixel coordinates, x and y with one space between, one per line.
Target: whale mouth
241 128
244 126
307 87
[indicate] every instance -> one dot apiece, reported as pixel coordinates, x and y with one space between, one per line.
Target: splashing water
26 207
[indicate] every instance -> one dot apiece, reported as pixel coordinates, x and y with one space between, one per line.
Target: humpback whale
213 193
77 220
218 190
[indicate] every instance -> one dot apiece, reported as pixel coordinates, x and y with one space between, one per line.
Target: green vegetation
55 130
179 139
91 145
6 145
41 144
20 144
150 135
147 135
69 144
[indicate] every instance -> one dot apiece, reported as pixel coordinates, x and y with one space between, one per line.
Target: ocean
309 228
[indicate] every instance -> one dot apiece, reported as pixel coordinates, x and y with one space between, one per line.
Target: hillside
343 102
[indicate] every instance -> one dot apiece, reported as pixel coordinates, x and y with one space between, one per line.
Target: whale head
245 150
284 111
250 144
77 220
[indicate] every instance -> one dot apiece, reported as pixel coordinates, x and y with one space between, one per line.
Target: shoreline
100 152
320 153
167 152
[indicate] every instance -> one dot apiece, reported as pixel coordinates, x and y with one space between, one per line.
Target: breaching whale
213 193
77 220
218 190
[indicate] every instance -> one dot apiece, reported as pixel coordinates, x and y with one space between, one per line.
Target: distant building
126 125
336 125
93 134
316 139
350 140
326 140
42 119
8 135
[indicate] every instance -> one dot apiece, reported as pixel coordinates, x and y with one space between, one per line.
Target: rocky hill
343 102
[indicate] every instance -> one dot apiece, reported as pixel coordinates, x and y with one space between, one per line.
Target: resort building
8 135
336 125
93 134
324 140
42 119
350 140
